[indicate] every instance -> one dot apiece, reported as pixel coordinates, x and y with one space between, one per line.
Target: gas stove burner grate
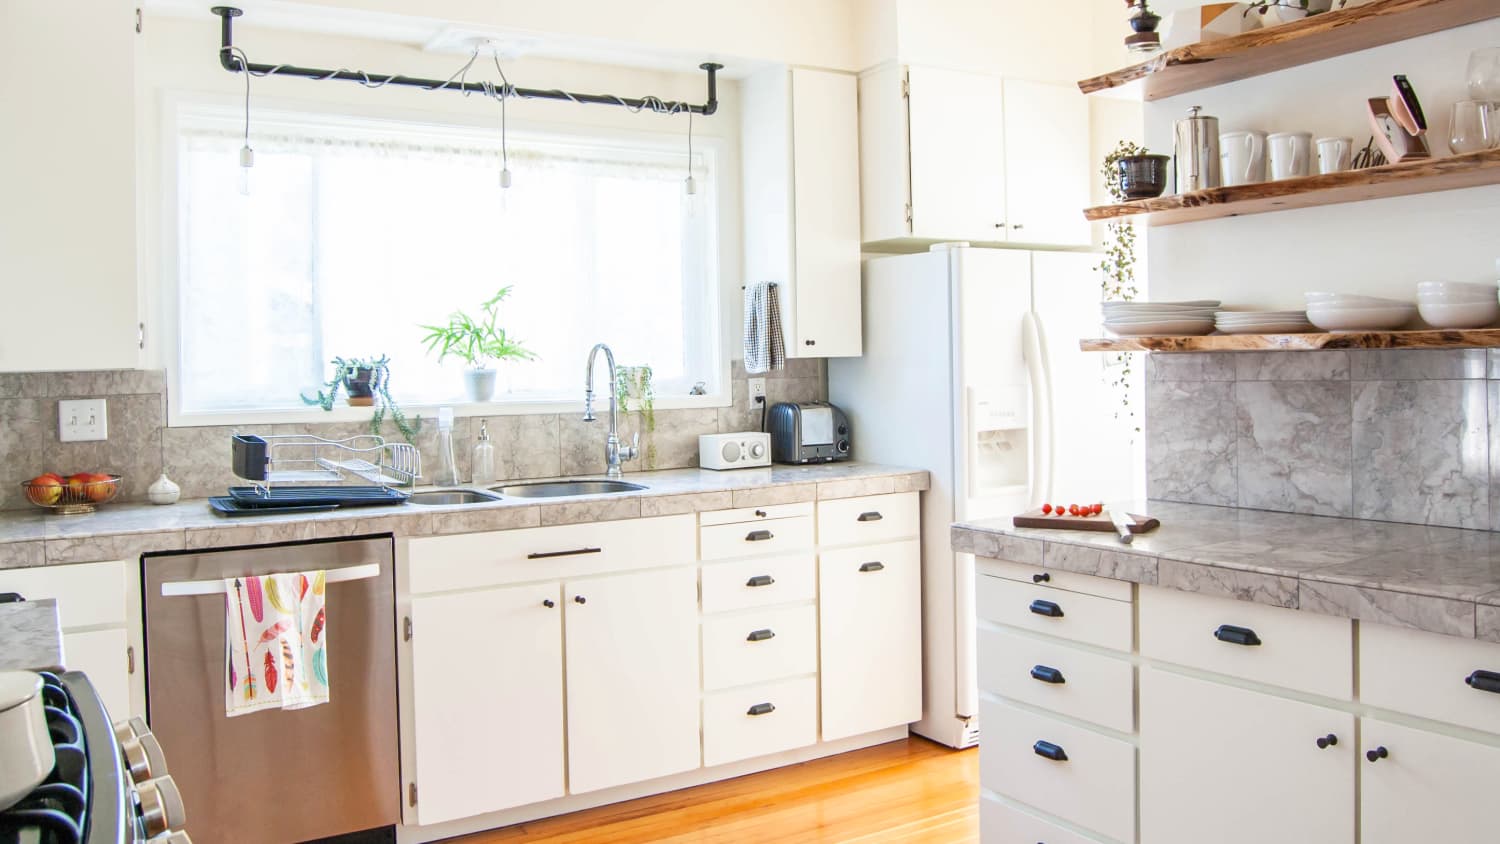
57 811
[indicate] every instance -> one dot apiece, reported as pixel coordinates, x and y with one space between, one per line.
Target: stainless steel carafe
1197 149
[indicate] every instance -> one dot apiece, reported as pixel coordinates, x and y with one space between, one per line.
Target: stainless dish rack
305 459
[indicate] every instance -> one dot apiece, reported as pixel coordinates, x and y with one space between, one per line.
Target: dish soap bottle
482 459
448 473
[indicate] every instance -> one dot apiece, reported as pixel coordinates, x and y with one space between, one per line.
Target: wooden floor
907 791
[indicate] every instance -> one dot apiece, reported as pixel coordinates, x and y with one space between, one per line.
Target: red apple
78 485
100 488
44 490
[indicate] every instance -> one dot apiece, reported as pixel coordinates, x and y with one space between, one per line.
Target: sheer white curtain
354 235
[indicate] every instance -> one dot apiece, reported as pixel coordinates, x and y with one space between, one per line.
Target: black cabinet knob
1377 754
760 580
547 602
579 599
1047 608
1047 674
1484 681
1041 578
1236 635
760 514
810 342
1325 742
1048 750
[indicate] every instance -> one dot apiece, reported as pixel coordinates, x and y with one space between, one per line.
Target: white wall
1053 41
180 56
1380 247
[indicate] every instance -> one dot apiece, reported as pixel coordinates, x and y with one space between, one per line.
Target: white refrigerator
972 370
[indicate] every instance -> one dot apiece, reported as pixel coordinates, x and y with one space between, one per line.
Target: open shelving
1432 338
1311 39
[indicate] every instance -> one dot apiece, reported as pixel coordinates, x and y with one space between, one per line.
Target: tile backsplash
141 446
1392 435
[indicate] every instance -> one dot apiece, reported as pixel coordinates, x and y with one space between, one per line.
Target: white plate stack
1136 319
1455 304
1262 322
1347 312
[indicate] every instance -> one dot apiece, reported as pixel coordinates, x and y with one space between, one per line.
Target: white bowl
1351 300
1460 315
1456 288
1336 318
1166 327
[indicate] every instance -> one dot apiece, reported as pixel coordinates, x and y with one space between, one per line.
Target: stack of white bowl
1135 319
1264 322
1455 304
1347 312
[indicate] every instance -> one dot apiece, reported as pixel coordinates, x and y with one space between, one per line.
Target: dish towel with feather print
276 642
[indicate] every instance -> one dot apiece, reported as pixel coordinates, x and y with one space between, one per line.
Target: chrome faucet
614 452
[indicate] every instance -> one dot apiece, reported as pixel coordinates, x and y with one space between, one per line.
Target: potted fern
478 341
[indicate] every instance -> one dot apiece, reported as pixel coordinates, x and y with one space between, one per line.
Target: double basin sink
543 489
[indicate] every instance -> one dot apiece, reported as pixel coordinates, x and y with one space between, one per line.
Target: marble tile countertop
34 538
1442 580
30 636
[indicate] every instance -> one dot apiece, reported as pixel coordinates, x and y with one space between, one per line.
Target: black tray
309 496
226 506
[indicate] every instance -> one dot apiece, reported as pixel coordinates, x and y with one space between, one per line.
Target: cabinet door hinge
140 335
906 87
137 20
406 632
908 215
130 659
411 795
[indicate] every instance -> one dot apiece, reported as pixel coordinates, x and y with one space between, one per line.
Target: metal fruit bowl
72 499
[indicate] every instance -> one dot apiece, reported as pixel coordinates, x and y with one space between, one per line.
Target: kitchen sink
560 489
451 496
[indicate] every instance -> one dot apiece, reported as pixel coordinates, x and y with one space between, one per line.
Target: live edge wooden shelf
1433 338
1275 48
1428 176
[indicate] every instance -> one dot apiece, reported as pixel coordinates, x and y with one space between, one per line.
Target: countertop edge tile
1487 623
996 546
32 633
1381 606
1271 589
1115 564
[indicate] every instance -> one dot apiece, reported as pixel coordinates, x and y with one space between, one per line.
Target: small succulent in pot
1142 175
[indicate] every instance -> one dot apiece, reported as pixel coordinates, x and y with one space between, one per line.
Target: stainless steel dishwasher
278 776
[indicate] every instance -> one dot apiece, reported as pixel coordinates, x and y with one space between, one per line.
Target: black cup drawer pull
760 580
872 516
759 536
1047 674
1484 681
1048 750
1047 608
1236 635
760 635
867 567
547 555
761 709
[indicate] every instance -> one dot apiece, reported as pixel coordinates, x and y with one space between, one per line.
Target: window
356 232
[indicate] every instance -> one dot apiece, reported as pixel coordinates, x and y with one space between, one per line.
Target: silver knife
1123 524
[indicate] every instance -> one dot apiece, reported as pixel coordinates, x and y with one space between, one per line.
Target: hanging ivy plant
1117 266
636 381
372 378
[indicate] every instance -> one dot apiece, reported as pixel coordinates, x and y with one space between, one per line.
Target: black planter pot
359 384
1143 176
1145 21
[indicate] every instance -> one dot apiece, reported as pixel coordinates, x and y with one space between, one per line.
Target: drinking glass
1484 74
1471 129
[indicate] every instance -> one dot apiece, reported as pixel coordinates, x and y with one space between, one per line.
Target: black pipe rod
232 63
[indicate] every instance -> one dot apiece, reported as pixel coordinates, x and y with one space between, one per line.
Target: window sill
344 413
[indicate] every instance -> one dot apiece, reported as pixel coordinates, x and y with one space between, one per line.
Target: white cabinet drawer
1428 675
87 593
1295 650
1003 824
759 582
1043 609
474 560
1094 786
872 518
1117 590
772 536
758 720
1058 678
759 645
755 514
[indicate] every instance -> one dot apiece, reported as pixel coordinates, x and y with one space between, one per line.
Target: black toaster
813 432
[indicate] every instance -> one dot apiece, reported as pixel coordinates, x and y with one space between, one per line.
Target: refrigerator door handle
1034 350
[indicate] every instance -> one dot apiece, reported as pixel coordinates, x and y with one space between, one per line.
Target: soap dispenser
482 459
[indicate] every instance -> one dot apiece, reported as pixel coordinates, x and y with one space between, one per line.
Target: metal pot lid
17 687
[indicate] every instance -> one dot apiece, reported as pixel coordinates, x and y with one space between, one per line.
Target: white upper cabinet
67 163
800 151
950 155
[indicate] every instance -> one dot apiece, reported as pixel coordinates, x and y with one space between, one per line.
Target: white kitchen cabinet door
825 179
488 700
884 160
1047 168
1231 766
632 669
67 163
104 655
957 137
1426 787
870 625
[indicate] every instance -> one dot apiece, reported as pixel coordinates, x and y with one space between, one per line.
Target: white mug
1244 157
1335 155
1289 155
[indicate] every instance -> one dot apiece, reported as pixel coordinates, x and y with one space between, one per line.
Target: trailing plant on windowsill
367 383
636 381
1117 266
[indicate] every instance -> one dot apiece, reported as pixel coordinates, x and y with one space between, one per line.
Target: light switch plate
82 421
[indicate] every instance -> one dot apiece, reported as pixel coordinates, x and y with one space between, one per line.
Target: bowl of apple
71 494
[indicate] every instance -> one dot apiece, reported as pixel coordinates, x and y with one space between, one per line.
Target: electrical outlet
82 421
757 388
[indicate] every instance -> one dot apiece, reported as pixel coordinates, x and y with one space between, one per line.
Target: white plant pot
480 384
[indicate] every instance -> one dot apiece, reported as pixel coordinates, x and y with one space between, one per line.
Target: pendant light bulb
691 186
505 178
247 161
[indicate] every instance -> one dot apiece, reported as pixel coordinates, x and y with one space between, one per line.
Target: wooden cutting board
1101 522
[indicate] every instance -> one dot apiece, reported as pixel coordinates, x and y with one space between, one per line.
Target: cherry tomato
1046 508
1072 509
